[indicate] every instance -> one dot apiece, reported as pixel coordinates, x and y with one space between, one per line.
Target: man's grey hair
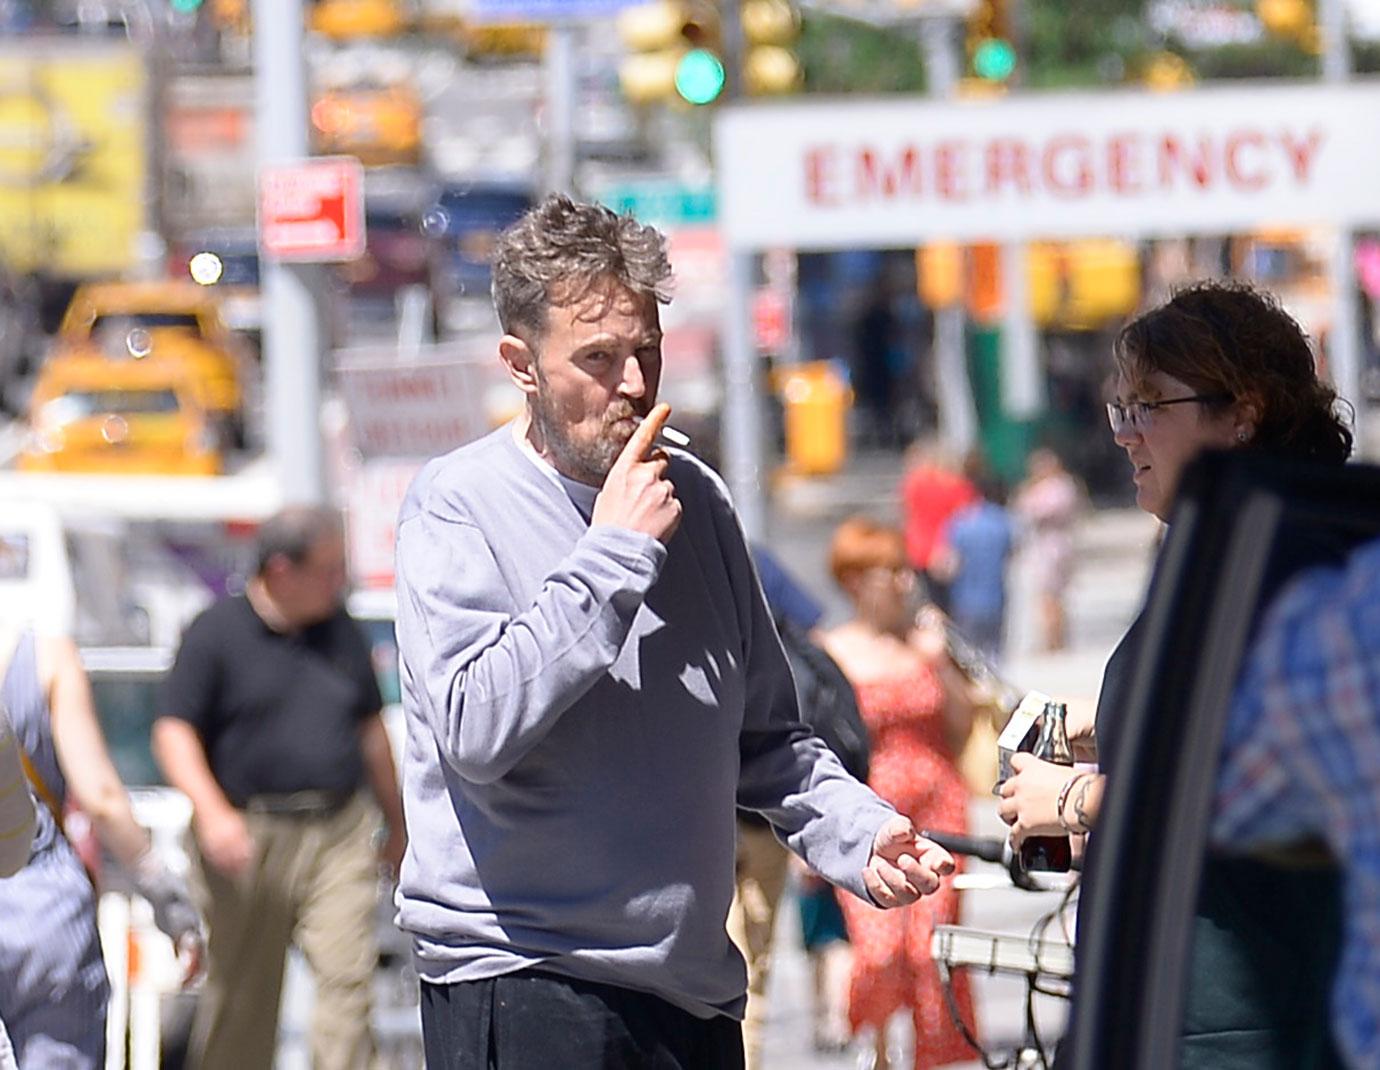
293 531
561 250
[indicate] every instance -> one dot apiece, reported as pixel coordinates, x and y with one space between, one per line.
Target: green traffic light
699 76
186 6
994 59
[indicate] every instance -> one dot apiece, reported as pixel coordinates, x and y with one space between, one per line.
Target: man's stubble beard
588 462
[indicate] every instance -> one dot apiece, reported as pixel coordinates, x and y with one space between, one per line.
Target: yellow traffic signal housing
939 273
1167 72
1286 18
1074 286
659 35
770 27
501 39
1082 285
675 49
987 43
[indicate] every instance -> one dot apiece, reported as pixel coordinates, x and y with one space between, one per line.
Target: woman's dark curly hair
1224 337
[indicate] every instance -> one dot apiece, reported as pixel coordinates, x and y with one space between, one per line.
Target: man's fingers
897 888
922 878
898 831
935 858
642 439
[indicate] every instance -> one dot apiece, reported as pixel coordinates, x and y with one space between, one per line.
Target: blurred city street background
244 261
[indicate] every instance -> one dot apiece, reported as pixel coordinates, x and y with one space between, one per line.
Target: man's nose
634 383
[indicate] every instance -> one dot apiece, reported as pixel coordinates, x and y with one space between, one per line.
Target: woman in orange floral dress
913 701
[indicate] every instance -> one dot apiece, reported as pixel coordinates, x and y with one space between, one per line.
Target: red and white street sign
771 320
312 210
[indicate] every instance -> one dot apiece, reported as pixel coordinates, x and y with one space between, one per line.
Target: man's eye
647 353
599 356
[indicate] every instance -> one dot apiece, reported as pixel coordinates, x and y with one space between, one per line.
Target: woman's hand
1080 722
1029 797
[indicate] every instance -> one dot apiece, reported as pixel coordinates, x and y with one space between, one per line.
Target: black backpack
827 702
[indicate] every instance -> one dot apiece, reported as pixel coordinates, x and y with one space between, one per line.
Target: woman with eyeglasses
1219 366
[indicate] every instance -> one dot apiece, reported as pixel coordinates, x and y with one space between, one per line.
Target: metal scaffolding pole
291 292
742 406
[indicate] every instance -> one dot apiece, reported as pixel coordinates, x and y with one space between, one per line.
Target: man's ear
521 362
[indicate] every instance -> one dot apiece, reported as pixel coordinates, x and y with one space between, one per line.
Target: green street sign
664 203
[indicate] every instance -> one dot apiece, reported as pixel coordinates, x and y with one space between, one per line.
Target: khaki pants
760 879
314 883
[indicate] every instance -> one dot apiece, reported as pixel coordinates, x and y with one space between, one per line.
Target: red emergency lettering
1124 164
1301 153
1008 162
819 177
1236 173
1068 165
878 178
1175 158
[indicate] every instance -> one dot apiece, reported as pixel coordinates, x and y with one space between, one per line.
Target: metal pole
957 412
1344 357
742 408
291 292
1336 49
1022 386
741 434
1344 354
561 88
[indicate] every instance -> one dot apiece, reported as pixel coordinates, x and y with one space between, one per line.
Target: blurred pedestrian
977 545
829 707
593 686
16 804
933 488
270 724
53 985
16 832
761 863
872 371
1219 366
914 701
1048 504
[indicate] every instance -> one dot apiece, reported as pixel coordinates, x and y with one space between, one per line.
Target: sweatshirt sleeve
786 772
16 804
490 677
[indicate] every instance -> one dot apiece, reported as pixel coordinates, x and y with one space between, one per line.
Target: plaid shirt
1302 759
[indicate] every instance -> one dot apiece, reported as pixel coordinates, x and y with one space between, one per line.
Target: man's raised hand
636 493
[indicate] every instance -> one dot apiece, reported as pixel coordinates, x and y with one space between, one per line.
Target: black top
277 713
1265 938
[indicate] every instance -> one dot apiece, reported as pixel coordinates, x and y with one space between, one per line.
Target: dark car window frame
1227 553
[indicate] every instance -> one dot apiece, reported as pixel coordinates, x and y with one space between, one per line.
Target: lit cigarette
674 437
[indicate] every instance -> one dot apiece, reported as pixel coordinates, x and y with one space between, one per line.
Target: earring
1242 436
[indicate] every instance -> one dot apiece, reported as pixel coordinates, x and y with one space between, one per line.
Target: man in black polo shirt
269 722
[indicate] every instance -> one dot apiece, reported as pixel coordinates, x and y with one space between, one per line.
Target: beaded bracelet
1063 800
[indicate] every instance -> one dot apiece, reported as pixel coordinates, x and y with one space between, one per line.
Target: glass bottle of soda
1050 854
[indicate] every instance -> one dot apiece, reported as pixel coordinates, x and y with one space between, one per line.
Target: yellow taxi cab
377 120
91 414
343 19
171 324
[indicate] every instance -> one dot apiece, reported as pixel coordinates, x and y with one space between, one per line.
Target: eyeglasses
1137 414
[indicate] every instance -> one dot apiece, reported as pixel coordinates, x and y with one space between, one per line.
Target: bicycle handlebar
989 849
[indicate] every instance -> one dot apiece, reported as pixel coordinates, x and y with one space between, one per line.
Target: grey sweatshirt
585 709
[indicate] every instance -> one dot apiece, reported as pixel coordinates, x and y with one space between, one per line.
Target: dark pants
538 1021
